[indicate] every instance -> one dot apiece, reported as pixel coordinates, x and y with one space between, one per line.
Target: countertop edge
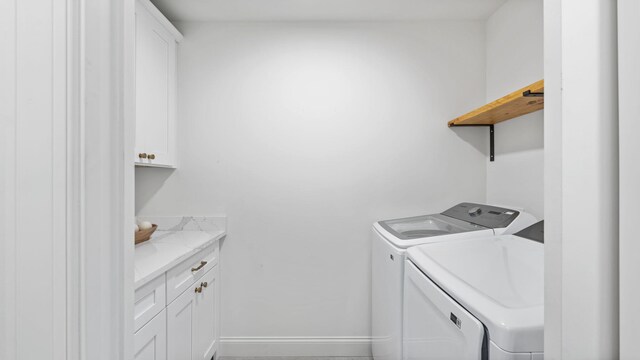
161 270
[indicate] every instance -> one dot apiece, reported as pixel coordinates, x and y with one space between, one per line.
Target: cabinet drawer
186 273
149 301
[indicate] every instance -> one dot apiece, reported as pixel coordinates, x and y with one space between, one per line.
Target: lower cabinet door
192 320
205 322
180 315
150 342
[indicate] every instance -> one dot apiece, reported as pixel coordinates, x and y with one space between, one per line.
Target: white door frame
553 178
66 179
107 131
589 180
629 93
581 180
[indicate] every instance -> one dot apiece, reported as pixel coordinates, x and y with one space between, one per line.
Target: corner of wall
515 178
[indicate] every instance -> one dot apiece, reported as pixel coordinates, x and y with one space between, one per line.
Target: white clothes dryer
392 238
480 299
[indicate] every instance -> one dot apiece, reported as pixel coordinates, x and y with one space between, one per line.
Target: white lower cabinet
192 321
205 321
150 342
180 315
187 328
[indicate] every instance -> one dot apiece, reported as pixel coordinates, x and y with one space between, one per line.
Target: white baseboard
354 346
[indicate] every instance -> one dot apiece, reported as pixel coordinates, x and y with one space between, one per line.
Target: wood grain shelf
518 103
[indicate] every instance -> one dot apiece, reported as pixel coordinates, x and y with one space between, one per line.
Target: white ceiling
306 10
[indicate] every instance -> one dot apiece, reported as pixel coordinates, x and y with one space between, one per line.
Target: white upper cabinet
156 49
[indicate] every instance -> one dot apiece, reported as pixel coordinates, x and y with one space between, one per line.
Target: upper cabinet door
155 67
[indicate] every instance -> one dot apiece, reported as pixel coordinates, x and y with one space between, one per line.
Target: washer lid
500 280
427 226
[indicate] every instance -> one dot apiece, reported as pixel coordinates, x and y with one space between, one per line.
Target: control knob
475 211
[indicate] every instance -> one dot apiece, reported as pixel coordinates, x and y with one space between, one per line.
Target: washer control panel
484 215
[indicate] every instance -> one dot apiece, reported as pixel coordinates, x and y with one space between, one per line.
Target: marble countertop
167 248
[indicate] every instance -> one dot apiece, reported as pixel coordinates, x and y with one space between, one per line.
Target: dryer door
435 326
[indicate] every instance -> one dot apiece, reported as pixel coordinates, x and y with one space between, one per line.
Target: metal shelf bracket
491 142
528 93
491 138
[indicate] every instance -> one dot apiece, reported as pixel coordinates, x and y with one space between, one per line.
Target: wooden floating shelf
518 103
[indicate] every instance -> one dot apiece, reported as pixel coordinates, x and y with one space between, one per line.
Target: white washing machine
480 299
392 238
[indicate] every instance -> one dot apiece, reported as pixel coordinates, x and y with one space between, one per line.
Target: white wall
304 134
515 59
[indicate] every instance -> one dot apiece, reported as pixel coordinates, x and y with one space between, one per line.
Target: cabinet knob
198 289
143 155
204 284
152 156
